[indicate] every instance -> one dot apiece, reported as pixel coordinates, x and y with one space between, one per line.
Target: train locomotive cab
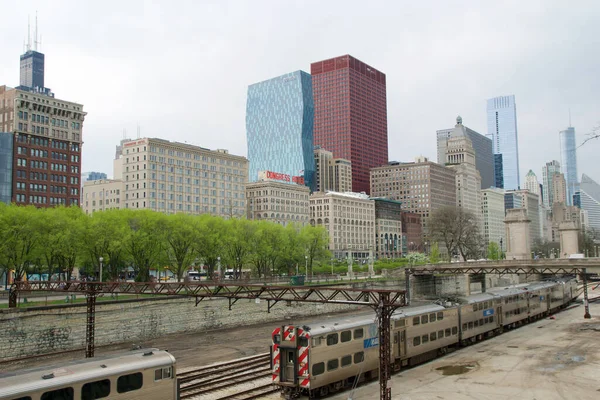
289 359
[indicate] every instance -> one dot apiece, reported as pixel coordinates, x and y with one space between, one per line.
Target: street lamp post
306 266
332 266
350 261
101 259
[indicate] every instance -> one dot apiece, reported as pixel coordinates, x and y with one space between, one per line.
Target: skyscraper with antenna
32 63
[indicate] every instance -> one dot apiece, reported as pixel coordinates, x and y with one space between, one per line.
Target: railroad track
247 378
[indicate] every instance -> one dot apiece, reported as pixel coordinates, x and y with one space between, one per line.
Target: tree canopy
458 230
53 241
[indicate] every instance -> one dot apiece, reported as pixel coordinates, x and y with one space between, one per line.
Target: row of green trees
56 240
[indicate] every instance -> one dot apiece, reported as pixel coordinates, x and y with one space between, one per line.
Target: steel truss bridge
526 267
383 301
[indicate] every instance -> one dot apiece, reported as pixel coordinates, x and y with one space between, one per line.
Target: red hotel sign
277 176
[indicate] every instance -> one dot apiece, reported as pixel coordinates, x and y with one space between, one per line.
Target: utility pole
384 312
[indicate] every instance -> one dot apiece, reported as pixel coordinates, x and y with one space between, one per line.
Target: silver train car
322 358
141 374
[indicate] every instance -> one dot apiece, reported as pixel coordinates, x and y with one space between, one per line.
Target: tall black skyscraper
32 69
32 64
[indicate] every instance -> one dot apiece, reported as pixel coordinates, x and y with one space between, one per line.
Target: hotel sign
277 176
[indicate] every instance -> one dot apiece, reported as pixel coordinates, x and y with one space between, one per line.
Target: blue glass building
498 171
279 127
6 166
568 161
502 129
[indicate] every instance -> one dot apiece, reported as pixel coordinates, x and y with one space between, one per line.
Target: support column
586 304
407 283
384 312
90 326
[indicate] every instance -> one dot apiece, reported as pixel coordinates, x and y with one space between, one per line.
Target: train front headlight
302 366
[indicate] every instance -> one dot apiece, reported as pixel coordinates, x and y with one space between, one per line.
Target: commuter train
141 374
322 358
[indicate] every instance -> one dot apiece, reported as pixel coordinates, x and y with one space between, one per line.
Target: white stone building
279 202
492 214
173 177
101 194
349 219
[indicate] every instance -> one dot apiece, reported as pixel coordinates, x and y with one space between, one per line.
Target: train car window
476 323
346 336
440 334
128 383
440 316
506 314
448 333
417 340
59 394
465 326
359 357
481 322
485 304
454 330
424 319
332 339
346 360
358 333
416 321
302 341
432 336
432 317
470 325
333 364
162 373
492 318
424 339
96 390
277 339
318 368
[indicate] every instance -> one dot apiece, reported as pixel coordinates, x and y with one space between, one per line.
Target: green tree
238 246
21 237
493 251
434 253
316 241
145 241
68 241
292 252
210 233
180 242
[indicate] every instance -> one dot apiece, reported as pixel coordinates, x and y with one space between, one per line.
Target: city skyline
120 82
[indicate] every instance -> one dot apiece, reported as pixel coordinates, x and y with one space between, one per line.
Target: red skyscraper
351 114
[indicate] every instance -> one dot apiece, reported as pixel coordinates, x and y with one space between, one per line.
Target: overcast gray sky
181 68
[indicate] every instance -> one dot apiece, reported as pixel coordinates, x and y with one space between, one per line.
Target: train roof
476 298
350 322
15 382
416 310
